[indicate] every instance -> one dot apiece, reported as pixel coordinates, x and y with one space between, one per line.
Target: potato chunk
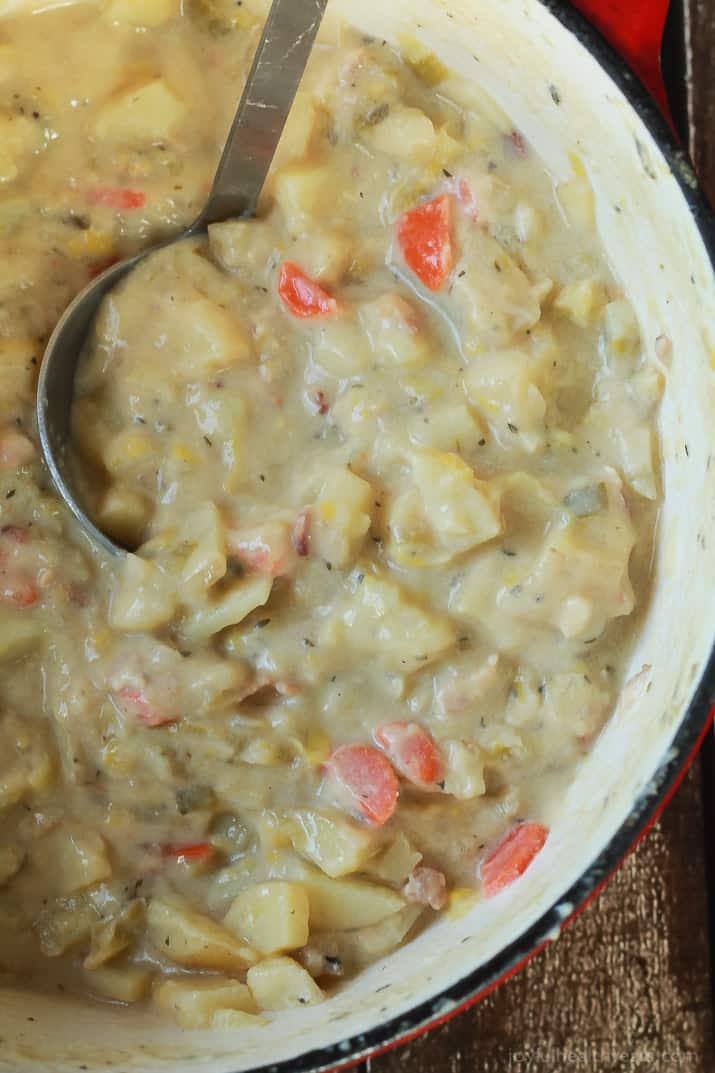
302 191
341 516
492 297
446 512
581 301
338 903
395 330
272 917
123 983
282 984
506 388
337 845
148 114
144 599
76 857
196 1000
145 13
228 609
379 619
193 940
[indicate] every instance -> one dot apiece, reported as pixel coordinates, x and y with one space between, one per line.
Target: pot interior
565 104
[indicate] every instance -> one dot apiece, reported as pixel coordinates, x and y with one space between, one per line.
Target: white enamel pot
568 93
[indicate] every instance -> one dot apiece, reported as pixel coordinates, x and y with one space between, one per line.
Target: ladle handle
267 98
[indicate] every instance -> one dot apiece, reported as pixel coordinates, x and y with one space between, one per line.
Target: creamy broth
385 458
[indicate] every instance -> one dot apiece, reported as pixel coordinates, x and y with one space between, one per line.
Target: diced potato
9 59
622 335
302 192
231 607
464 770
211 338
338 903
358 947
272 917
76 858
578 203
194 940
149 113
492 297
505 386
282 984
195 1000
324 255
298 133
464 511
452 427
379 619
242 246
529 223
236 1020
145 598
395 331
11 861
204 530
149 13
575 703
403 132
65 925
340 347
112 935
581 575
19 365
18 635
337 845
582 301
24 760
123 983
123 514
19 137
127 449
636 448
341 517
396 862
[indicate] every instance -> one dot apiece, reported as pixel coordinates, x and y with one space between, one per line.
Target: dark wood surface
627 987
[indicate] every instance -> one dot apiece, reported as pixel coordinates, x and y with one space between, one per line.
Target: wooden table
627 988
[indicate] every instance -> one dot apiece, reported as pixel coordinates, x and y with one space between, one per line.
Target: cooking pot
569 95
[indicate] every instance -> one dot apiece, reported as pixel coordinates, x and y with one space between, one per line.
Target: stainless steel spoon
269 92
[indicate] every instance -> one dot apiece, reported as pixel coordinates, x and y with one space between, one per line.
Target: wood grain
700 24
624 990
627 987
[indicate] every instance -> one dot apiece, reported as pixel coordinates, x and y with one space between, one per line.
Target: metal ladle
268 95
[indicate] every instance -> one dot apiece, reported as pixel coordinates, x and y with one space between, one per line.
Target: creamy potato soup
384 460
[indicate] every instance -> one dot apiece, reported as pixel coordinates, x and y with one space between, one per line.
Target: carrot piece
366 779
198 851
302 296
511 856
116 197
413 753
425 237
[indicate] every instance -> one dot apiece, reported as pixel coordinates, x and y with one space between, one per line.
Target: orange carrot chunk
366 781
425 237
511 856
302 296
198 851
413 753
117 197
